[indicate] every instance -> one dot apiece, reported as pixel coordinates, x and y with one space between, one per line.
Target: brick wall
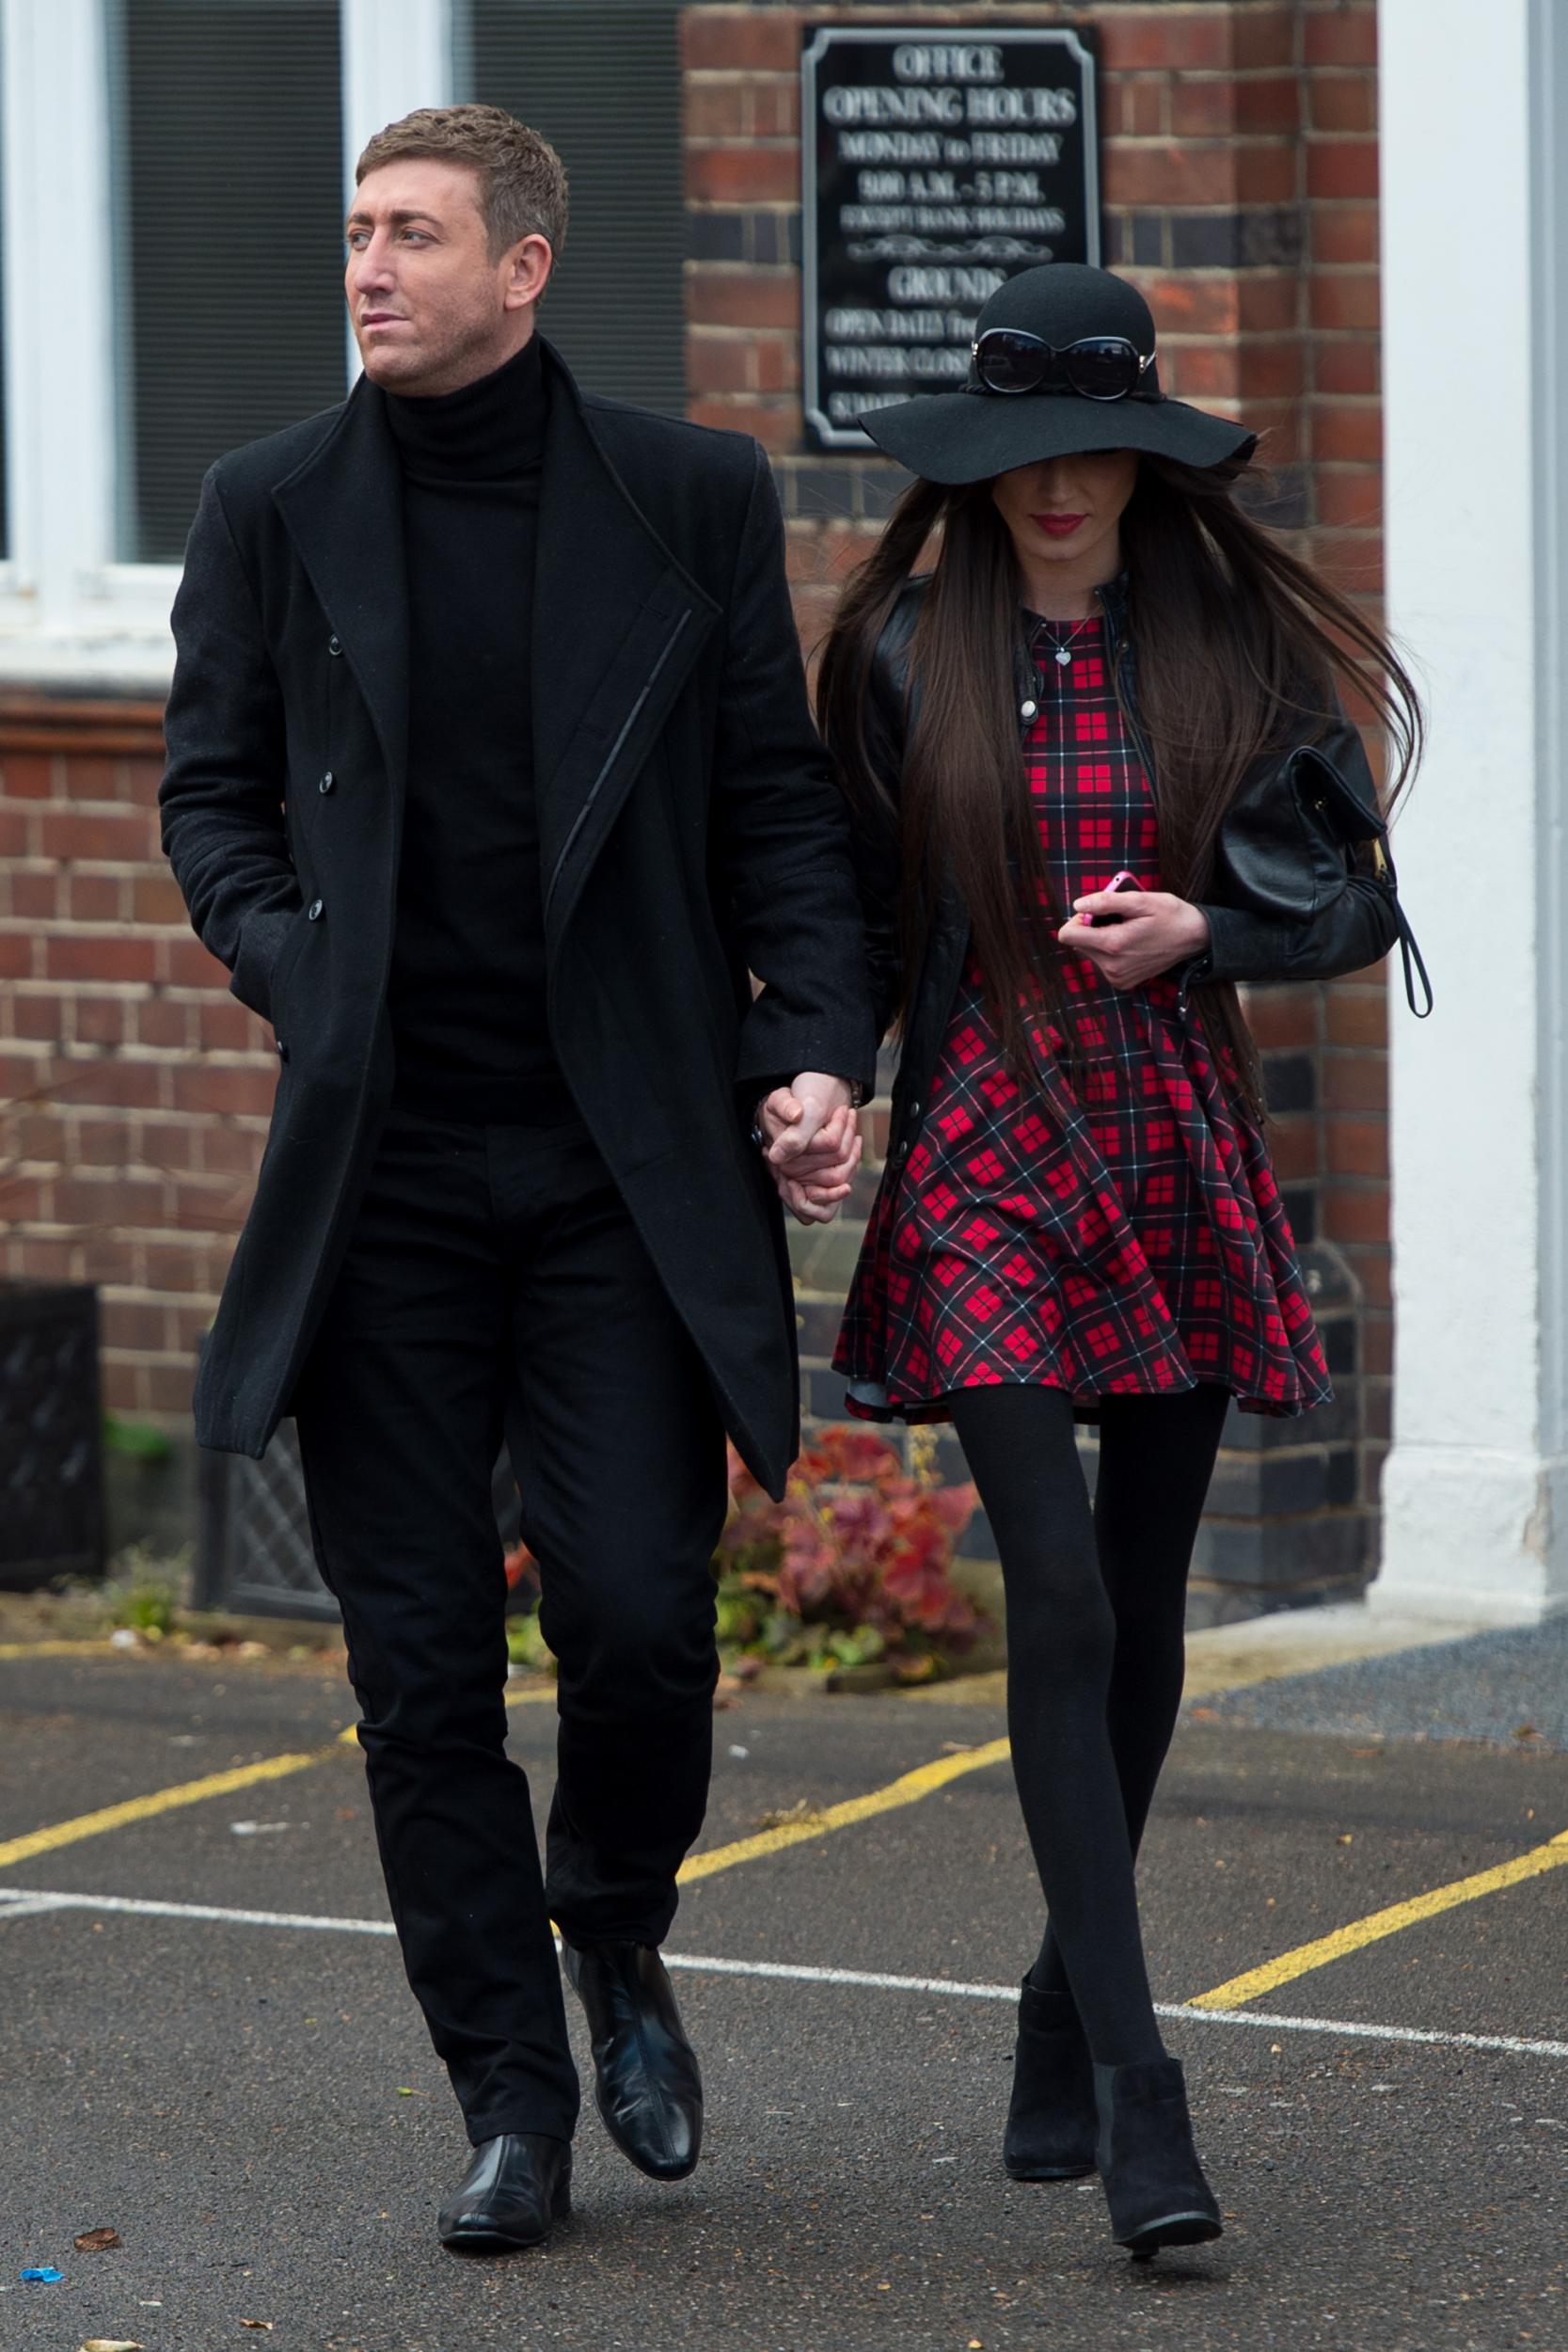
133 1088
1240 183
1240 179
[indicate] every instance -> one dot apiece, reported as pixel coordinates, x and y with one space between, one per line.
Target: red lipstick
1059 525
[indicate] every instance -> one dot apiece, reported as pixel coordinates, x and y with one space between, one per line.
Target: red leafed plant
853 1566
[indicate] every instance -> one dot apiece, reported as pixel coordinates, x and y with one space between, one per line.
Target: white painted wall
1473 121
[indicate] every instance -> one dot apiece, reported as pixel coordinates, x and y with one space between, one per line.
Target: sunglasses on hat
1099 366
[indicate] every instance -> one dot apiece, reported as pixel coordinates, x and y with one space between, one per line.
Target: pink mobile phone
1124 880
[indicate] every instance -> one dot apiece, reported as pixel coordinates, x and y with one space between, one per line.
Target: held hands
1136 935
813 1145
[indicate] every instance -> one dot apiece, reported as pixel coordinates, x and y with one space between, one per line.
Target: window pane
229 205
600 79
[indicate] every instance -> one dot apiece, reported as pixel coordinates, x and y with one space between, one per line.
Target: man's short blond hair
522 181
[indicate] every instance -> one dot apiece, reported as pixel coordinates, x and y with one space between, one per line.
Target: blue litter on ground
42 2277
1506 1689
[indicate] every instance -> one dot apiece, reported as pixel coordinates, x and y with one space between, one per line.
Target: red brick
1355 1082
1354 1213
227 1027
167 1389
16 955
1352 562
184 962
114 1082
106 836
1342 168
1268 301
1337 35
1283 1017
1345 232
733 298
1293 1148
743 175
1345 367
718 110
1263 36
1357 1016
734 40
231 1151
156 899
777 107
35 1016
1269 101
1338 299
776 428
776 363
107 1201
1349 501
1173 35
31 776
1201 371
1193 302
164 1021
1358 1146
101 958
101 1020
13 832
1136 108
210 1086
1163 173
97 898
1201 109
169 1267
34 896
1342 102
720 363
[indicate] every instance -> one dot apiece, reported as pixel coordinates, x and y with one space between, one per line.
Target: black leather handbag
1343 828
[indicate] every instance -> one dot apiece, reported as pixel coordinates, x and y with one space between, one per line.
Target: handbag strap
1411 957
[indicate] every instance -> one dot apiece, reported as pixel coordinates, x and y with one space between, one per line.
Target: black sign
936 163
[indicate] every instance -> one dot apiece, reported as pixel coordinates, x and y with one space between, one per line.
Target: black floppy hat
976 434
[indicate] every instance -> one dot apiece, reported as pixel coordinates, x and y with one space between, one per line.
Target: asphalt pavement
250 2102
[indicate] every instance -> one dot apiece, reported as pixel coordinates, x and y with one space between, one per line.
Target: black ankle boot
1155 2183
1051 2119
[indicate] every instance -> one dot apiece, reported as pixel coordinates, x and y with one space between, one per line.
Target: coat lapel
617 624
344 511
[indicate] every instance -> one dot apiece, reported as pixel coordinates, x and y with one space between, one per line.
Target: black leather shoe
513 2192
646 2085
1051 2119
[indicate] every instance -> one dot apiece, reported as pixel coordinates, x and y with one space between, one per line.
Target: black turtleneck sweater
468 981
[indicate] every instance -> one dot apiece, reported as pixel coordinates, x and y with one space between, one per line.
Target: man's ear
528 271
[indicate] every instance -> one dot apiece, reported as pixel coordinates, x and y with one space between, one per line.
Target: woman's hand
1148 931
813 1145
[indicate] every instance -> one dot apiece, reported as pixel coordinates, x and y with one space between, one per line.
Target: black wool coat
690 831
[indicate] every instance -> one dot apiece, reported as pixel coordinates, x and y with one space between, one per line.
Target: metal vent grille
227 154
600 79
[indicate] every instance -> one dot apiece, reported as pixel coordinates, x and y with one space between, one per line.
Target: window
601 80
227 180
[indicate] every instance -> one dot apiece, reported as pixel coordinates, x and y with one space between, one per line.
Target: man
491 780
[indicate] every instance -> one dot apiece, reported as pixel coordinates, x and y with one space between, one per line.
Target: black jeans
494 1283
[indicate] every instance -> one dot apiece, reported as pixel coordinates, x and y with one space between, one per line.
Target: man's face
431 310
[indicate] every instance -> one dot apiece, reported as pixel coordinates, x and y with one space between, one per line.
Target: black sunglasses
1099 366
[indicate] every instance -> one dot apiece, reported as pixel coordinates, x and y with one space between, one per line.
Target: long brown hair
1239 647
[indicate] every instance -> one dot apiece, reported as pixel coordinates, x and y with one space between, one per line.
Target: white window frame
71 615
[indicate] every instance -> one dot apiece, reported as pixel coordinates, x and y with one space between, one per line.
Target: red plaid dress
1117 1230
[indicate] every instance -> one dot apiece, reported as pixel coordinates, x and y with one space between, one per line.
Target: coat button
327 782
1028 709
314 911
334 644
283 1050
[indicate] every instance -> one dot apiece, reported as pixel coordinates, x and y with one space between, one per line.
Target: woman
1098 773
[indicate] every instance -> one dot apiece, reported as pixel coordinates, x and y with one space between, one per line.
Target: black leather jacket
1276 909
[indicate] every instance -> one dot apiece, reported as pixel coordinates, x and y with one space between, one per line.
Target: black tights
1096 1604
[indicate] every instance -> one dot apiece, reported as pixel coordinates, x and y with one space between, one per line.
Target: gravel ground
1504 1690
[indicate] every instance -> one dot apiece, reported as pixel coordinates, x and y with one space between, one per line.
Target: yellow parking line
53 1649
909 1789
160 1801
1378 1924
